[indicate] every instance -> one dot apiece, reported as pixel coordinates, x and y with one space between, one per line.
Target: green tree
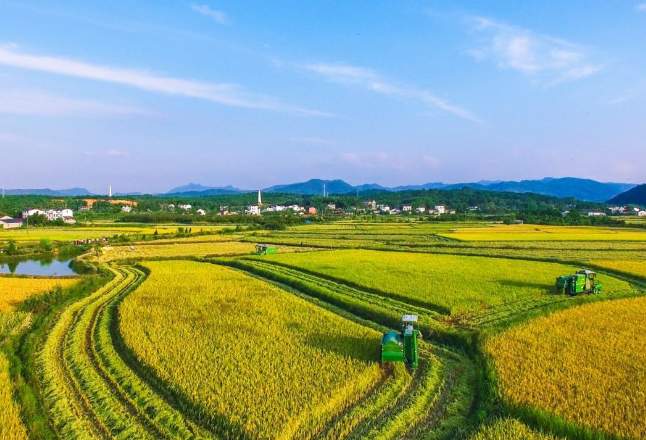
45 245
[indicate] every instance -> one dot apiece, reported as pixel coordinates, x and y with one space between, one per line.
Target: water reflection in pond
49 267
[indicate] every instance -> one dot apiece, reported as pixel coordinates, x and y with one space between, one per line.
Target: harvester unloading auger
402 346
581 282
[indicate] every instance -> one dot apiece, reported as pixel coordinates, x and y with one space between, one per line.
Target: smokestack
259 198
110 191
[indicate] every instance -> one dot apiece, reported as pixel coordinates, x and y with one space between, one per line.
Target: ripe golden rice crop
257 360
11 427
509 429
633 267
546 233
111 253
454 283
15 290
585 365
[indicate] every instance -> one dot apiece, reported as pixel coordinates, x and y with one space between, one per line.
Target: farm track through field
91 393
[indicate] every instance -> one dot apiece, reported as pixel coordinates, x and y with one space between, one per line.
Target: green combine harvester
402 346
581 282
263 249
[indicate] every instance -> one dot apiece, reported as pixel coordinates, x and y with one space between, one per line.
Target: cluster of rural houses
619 210
372 206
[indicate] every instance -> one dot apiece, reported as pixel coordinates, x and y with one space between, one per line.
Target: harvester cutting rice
402 346
581 282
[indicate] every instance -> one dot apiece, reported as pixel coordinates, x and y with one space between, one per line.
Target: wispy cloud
35 102
107 153
641 7
215 15
542 57
372 80
221 93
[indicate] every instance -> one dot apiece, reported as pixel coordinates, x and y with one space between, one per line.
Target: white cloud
541 57
370 79
215 15
222 93
33 102
107 153
640 7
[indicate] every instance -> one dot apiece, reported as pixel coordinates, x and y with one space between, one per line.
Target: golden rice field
81 233
456 284
509 429
545 233
15 290
111 253
11 427
633 267
257 360
585 365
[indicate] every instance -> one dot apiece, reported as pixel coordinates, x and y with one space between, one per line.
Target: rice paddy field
65 234
196 337
448 283
15 290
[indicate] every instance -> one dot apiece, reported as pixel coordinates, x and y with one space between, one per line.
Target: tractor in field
263 249
581 282
402 346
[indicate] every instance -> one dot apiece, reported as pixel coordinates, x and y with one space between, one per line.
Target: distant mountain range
634 196
195 189
71 192
582 189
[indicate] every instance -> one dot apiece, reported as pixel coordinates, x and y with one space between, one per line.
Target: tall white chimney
110 191
259 198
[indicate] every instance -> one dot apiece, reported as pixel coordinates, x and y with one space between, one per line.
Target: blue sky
154 94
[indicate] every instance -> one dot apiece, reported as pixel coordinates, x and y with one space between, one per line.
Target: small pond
47 267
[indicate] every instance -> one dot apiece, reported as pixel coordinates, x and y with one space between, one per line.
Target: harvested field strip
91 393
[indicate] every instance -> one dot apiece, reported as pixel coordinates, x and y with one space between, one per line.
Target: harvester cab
402 346
581 282
263 249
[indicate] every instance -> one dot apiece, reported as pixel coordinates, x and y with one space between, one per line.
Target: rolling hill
634 196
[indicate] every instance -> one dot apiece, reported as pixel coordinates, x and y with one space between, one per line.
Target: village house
10 223
126 208
370 204
51 214
420 209
440 209
407 208
331 206
69 220
311 210
185 207
201 212
253 210
642 213
596 213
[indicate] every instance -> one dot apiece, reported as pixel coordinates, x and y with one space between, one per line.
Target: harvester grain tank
402 346
263 249
581 282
